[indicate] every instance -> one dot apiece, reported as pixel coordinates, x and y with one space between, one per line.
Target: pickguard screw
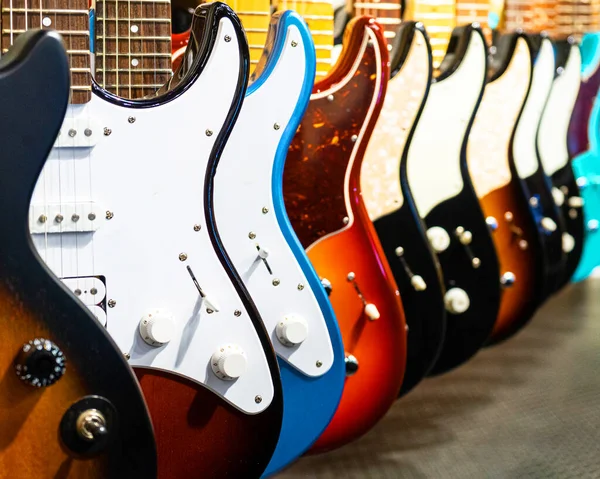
77 292
112 303
59 218
346 220
131 119
251 235
110 215
258 399
72 133
42 218
276 282
265 210
87 132
127 356
93 291
208 132
210 311
107 131
182 256
92 216
196 227
227 38
354 138
276 126
319 364
237 313
330 97
75 217
300 287
294 43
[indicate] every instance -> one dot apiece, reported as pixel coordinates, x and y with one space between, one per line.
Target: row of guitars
206 281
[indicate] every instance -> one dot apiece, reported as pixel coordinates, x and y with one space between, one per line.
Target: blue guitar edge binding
304 419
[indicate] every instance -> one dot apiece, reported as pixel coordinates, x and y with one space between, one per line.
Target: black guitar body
58 365
403 228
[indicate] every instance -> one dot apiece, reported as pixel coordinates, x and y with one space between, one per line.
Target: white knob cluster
456 300
229 362
292 330
157 327
439 238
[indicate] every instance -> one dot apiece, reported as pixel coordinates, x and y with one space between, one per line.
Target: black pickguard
34 87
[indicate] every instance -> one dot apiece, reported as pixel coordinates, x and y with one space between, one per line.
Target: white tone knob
157 327
439 238
418 283
548 224
292 330
559 196
229 362
576 202
456 300
372 312
568 242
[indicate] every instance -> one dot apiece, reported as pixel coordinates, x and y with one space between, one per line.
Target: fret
470 11
64 33
135 20
137 55
133 39
437 30
388 34
378 6
388 15
38 11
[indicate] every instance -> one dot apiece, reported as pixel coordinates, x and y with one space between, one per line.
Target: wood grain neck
318 14
387 13
573 17
133 46
70 18
255 16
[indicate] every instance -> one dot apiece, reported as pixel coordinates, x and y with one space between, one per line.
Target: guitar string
129 32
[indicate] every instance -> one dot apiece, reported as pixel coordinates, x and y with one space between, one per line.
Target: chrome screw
208 132
227 38
92 216
276 282
42 218
72 133
300 287
77 292
265 210
75 217
131 119
59 218
354 138
294 43
237 313
258 399
110 215
87 132
276 126
319 364
196 227
251 235
182 256
107 131
112 303
93 291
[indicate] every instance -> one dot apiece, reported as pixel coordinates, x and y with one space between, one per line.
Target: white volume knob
548 224
456 300
559 196
568 242
439 238
292 330
157 327
229 362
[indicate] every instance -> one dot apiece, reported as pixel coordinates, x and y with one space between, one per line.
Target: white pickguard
524 143
433 164
246 216
554 126
149 172
489 139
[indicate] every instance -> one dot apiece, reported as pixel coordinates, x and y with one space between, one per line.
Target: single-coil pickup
74 217
78 133
91 291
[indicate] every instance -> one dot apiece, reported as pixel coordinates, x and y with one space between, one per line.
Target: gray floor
528 408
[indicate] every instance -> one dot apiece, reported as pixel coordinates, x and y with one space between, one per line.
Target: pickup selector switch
229 362
157 327
548 224
456 300
439 238
568 242
292 330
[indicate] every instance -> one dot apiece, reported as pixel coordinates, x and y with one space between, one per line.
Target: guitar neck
521 14
133 46
574 17
255 16
388 15
70 18
470 11
439 18
318 14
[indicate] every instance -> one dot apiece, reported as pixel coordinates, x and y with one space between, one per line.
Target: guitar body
554 155
447 202
529 168
285 288
490 154
389 203
584 148
154 232
39 437
321 187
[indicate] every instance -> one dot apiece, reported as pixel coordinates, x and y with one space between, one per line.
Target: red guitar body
323 200
179 42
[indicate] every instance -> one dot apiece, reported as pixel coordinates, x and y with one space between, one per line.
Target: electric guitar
123 206
389 202
263 246
490 158
321 186
70 406
446 201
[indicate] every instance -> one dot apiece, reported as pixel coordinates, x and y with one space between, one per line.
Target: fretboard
318 14
70 19
388 14
255 16
439 18
133 46
470 11
520 14
573 17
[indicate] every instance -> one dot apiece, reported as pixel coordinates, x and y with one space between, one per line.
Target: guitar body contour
38 438
322 198
443 194
390 205
584 149
554 154
491 165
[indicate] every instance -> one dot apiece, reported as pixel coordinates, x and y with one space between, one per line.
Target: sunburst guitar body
70 406
323 201
584 148
390 205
